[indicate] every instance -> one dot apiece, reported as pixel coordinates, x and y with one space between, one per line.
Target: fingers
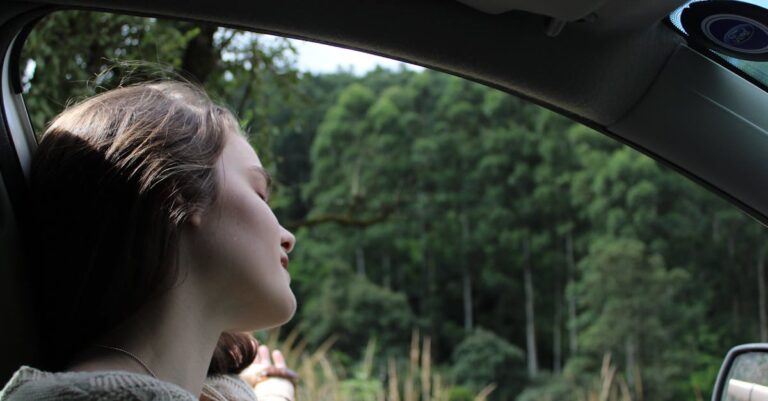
263 356
277 356
262 367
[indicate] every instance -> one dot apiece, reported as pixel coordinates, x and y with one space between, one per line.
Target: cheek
247 228
252 281
238 253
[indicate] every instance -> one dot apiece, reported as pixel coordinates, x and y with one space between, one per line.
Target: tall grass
612 386
412 377
322 379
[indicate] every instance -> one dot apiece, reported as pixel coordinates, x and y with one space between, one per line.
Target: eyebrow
267 177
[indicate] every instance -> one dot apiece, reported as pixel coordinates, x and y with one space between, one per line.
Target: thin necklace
136 358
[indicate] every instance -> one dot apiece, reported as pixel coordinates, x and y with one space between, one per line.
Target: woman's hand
270 380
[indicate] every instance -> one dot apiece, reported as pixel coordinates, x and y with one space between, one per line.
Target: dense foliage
529 248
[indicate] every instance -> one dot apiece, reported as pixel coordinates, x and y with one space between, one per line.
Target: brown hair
113 180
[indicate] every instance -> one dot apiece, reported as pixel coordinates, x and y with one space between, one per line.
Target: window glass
453 241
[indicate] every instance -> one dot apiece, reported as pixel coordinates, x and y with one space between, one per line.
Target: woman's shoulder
226 387
29 383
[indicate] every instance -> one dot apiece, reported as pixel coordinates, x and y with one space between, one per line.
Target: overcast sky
319 58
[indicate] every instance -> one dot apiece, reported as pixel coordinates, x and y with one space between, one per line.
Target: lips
284 261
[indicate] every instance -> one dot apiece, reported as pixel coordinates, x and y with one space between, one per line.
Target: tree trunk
435 316
631 361
423 296
387 265
715 229
468 323
360 260
736 325
573 345
761 294
201 55
530 324
557 354
466 276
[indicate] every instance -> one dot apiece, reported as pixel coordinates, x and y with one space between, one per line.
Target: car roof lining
567 73
563 10
605 15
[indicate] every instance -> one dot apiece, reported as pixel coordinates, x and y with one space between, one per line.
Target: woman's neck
175 336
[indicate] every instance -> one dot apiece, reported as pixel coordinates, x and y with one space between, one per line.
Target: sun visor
571 10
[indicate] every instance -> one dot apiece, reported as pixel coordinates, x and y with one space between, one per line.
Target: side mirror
743 375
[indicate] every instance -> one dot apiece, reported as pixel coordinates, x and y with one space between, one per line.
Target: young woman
152 251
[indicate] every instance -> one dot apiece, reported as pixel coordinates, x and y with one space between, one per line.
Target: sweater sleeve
233 388
29 384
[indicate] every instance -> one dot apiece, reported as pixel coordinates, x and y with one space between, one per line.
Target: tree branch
340 219
348 219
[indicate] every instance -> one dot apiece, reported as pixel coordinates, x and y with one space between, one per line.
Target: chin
279 314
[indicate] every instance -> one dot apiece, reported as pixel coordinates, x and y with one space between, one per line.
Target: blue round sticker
736 33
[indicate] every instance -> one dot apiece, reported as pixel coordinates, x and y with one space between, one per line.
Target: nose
287 240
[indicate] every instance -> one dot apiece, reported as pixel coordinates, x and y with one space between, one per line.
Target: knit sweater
32 384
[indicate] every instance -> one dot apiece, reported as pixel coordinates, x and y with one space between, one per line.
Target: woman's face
240 248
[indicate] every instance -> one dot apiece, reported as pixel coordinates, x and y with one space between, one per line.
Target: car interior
617 66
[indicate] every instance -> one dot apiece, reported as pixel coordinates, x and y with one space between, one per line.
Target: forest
454 242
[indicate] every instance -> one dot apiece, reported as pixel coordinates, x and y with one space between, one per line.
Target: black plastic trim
10 165
21 38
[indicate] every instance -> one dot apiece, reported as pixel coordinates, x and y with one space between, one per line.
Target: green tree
483 358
